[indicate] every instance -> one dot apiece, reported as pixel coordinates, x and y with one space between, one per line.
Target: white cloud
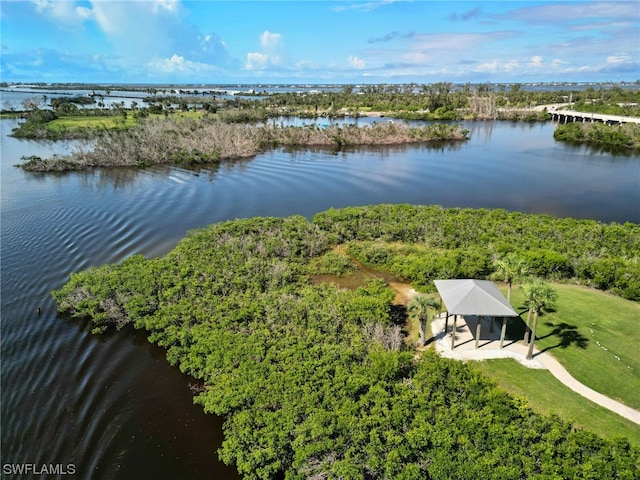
430 47
115 18
568 12
356 62
272 54
270 41
617 59
168 5
416 56
143 31
490 67
582 69
257 61
177 64
511 66
84 13
65 13
211 44
536 62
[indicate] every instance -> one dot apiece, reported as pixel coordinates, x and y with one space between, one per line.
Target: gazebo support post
503 331
453 331
469 297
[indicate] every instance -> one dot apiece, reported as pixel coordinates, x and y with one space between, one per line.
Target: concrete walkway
489 347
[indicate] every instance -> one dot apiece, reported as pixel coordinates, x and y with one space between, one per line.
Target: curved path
490 348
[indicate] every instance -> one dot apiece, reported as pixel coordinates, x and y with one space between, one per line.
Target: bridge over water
567 116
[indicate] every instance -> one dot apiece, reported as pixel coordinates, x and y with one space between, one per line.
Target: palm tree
538 295
527 330
419 308
510 268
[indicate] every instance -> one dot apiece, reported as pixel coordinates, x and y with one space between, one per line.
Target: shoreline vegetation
617 138
88 117
192 142
316 381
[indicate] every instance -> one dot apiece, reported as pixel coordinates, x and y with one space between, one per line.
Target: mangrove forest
317 381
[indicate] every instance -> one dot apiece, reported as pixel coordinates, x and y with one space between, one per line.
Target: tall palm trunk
527 330
533 335
423 331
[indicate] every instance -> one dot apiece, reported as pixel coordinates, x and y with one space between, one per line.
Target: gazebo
474 297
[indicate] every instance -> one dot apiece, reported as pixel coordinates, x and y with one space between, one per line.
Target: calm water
110 404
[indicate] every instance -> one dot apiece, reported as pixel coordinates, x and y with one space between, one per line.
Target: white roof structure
473 297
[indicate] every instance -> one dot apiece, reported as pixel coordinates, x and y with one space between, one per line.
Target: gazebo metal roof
474 297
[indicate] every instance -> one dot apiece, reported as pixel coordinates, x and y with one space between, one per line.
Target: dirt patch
404 291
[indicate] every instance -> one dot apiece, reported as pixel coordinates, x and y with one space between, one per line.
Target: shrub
333 263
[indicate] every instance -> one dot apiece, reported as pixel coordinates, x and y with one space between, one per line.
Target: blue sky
376 41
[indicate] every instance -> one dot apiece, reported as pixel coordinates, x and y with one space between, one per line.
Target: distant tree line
446 101
440 100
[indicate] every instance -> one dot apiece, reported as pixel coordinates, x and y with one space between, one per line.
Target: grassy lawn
90 122
596 337
108 122
546 394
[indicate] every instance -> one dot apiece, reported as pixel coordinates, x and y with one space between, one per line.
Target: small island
191 142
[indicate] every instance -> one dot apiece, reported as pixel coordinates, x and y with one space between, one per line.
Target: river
110 404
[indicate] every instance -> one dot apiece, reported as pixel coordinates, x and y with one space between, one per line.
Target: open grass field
545 394
90 122
107 122
596 337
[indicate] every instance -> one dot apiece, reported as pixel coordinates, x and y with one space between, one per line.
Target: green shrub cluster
421 265
58 102
35 124
315 381
627 109
461 242
332 263
616 137
246 115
